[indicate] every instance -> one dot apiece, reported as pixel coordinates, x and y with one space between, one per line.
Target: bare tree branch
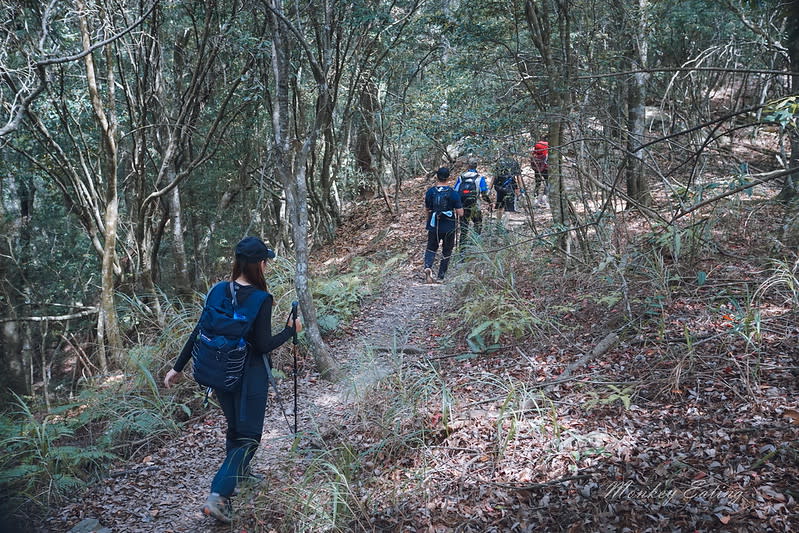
18 111
686 69
53 318
766 177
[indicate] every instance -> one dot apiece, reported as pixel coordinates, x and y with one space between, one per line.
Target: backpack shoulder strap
232 290
216 293
253 303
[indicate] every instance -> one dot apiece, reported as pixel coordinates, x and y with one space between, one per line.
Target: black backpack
469 188
441 199
504 184
220 351
507 167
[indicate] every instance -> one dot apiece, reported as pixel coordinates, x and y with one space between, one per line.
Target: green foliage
137 410
39 453
784 112
490 309
49 454
338 298
681 242
686 28
493 316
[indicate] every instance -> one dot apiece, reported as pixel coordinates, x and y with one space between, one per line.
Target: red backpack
541 151
540 156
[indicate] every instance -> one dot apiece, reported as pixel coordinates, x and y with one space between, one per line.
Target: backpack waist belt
434 218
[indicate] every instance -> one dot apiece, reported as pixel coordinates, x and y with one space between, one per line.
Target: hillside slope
675 413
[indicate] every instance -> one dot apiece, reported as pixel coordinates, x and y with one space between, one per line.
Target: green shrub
45 458
338 298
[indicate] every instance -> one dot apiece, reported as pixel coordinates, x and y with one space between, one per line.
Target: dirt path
164 492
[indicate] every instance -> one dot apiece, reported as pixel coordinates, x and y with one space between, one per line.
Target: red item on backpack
541 150
540 155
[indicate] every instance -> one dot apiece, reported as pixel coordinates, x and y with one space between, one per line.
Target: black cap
442 173
252 250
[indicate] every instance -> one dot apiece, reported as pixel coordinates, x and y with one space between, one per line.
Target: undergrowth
51 454
488 286
404 426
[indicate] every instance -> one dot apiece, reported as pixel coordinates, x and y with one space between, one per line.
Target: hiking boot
248 479
218 507
252 478
428 275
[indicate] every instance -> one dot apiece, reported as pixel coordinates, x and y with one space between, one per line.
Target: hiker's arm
264 342
185 354
457 205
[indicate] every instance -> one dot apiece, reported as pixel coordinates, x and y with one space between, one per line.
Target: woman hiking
244 407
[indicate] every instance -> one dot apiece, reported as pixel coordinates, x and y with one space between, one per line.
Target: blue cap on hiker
253 250
442 173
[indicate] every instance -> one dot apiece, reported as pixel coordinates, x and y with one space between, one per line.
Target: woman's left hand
171 378
297 325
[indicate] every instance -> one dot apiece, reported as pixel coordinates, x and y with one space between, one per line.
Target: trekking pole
294 305
271 381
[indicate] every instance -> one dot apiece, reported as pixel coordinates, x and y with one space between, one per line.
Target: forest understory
579 399
622 360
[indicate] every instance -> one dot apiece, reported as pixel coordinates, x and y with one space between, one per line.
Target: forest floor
683 421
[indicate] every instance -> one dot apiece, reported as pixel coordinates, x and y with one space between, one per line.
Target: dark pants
470 214
541 178
448 243
506 199
245 423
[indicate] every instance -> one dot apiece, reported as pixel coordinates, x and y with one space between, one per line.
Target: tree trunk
108 326
637 185
182 283
789 194
559 73
365 140
557 195
290 161
790 190
15 257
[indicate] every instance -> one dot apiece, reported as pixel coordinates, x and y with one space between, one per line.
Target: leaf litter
688 424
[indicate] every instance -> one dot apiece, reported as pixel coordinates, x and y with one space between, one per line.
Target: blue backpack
441 199
219 354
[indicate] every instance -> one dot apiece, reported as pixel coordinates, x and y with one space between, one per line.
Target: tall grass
49 454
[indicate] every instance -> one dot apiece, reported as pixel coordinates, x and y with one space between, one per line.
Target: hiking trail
166 489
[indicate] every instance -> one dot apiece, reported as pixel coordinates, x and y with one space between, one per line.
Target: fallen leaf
791 414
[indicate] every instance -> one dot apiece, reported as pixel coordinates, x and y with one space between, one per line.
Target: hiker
443 205
506 186
539 162
471 186
243 408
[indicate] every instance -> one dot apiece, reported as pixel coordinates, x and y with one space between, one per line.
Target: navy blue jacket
443 222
